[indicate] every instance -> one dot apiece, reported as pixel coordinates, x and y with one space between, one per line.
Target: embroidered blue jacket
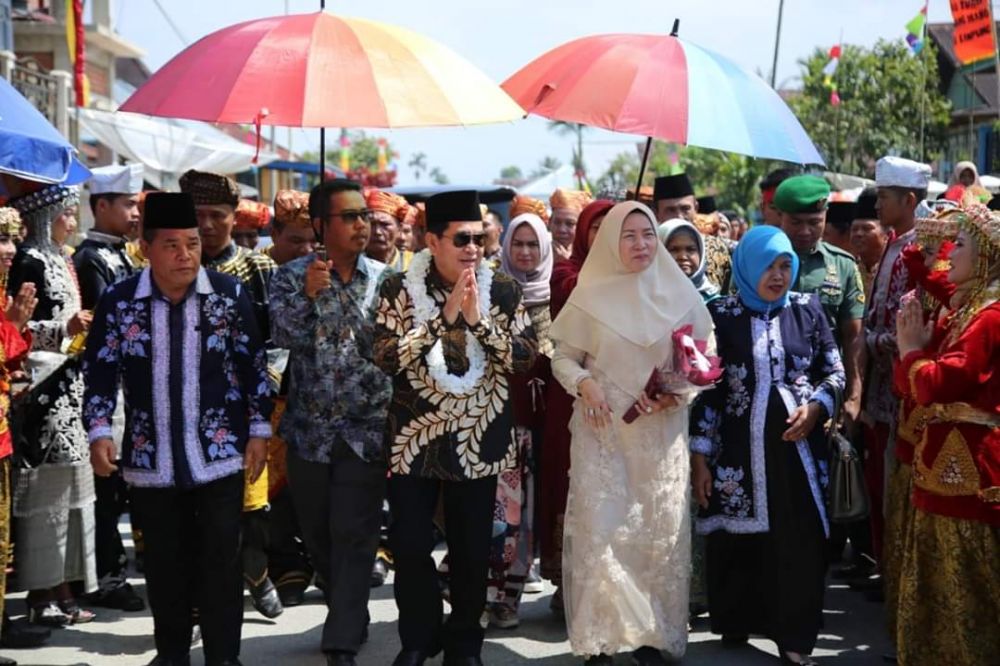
194 376
790 349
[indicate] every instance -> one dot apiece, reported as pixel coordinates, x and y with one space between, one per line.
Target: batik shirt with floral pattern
789 354
194 377
336 392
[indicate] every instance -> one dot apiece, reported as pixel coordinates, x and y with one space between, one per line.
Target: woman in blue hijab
759 452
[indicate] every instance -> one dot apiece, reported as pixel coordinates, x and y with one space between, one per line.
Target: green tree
730 177
438 176
419 164
576 131
545 167
882 91
511 172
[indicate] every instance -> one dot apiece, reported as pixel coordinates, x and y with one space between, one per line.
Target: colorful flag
383 157
75 44
828 71
915 31
973 34
345 151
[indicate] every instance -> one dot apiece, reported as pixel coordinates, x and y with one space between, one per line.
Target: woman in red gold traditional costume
949 583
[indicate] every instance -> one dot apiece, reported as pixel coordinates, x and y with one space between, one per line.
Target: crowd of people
632 397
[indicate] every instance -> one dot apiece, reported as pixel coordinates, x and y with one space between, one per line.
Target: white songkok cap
899 172
125 179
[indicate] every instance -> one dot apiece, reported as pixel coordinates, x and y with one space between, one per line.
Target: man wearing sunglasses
448 332
338 400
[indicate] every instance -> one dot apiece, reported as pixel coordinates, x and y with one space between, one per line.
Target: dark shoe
379 571
22 636
599 660
854 572
462 661
7 661
265 599
411 658
168 661
121 598
340 659
648 656
865 583
732 641
890 658
292 588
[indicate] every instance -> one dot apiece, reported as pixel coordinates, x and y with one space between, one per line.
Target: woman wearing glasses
627 542
449 332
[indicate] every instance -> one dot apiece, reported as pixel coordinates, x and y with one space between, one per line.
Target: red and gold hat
386 202
574 200
984 225
291 208
252 214
524 204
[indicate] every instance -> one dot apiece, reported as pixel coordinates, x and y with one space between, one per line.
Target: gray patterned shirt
336 393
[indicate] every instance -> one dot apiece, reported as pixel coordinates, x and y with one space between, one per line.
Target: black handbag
848 494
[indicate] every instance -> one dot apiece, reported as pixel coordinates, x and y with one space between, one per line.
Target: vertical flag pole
923 84
777 43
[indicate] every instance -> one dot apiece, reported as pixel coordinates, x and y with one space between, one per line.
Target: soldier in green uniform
825 270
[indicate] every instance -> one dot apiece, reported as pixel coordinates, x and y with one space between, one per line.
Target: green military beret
802 194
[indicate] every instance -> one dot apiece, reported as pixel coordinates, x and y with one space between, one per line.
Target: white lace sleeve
567 366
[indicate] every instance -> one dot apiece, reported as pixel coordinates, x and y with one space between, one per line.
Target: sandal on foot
76 614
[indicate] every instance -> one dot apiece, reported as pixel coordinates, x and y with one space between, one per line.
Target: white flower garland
425 309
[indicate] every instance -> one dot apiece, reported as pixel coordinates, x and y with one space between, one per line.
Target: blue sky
500 37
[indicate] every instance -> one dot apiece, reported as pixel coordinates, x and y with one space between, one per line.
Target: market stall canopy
169 147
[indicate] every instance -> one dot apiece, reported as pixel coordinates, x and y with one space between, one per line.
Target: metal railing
48 91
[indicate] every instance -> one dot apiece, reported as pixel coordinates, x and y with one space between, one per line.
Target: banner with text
973 32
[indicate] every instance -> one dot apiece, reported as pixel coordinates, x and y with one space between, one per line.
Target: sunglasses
463 238
352 216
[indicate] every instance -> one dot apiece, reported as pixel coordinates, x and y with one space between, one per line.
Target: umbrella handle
642 167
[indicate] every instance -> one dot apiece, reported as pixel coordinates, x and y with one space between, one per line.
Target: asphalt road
853 635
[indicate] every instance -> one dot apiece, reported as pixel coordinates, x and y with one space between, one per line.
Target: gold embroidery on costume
912 374
953 473
990 495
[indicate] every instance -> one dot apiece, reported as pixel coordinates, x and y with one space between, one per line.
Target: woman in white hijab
626 549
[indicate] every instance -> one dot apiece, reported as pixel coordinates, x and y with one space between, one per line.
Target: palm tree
563 128
438 176
419 164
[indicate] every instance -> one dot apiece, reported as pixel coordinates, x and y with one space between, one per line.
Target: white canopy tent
169 147
542 188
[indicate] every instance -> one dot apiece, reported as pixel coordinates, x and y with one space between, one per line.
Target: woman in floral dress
759 454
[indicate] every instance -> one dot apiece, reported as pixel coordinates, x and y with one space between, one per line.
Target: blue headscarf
754 253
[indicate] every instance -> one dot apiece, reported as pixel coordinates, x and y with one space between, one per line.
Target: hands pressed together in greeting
463 299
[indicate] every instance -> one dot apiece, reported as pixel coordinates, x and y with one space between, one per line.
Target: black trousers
468 517
111 503
193 561
339 507
286 552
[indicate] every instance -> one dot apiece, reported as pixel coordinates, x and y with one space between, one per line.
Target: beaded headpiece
51 196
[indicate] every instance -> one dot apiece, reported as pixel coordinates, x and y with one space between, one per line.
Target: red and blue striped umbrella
666 88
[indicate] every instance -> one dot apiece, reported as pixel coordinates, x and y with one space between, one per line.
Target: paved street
853 635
